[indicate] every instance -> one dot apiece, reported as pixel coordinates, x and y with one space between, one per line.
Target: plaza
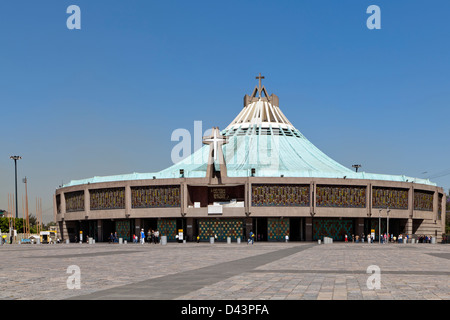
221 271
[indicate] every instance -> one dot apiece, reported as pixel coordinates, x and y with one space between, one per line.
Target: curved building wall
320 205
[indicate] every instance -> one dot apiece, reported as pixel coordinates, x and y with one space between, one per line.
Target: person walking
251 236
149 236
156 236
142 236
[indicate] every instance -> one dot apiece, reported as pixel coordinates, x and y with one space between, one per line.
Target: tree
4 224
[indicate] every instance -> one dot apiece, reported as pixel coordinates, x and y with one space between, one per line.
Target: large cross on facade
215 139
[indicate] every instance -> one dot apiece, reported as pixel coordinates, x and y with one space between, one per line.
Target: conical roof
261 139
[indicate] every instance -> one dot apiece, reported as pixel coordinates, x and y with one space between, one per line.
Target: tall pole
40 214
27 221
379 226
15 158
387 214
17 206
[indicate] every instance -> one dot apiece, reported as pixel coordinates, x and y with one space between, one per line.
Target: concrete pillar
359 226
127 200
184 193
62 230
249 227
55 213
314 198
308 228
409 227
190 229
246 196
138 225
100 230
411 201
63 203
435 205
87 202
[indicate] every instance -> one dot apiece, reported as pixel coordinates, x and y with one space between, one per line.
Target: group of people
385 238
113 238
424 239
152 237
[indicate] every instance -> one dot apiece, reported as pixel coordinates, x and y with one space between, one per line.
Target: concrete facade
417 222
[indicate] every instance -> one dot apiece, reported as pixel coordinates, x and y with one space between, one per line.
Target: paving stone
203 271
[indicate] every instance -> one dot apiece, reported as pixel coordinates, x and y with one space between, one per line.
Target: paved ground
220 271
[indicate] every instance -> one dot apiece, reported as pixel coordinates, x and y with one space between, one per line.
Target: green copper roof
283 152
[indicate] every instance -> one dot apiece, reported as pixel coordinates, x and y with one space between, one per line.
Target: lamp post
379 226
356 166
15 158
387 226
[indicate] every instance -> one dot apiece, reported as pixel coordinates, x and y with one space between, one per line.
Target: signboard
180 234
215 209
372 233
219 194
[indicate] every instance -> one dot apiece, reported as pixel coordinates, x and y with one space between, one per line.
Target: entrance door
260 229
108 227
295 229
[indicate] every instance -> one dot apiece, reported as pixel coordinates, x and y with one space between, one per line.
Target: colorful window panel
390 197
341 196
232 228
277 229
123 229
74 201
155 196
167 227
423 200
332 227
107 199
266 195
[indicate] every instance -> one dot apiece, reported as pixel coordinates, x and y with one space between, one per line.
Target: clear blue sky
105 99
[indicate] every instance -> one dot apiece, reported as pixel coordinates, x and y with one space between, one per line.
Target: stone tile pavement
220 271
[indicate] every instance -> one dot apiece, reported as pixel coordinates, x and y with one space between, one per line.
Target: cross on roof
215 139
259 77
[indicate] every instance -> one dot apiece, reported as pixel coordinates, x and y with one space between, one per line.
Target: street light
379 226
15 158
387 227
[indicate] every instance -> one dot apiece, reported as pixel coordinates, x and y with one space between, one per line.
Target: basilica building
258 174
